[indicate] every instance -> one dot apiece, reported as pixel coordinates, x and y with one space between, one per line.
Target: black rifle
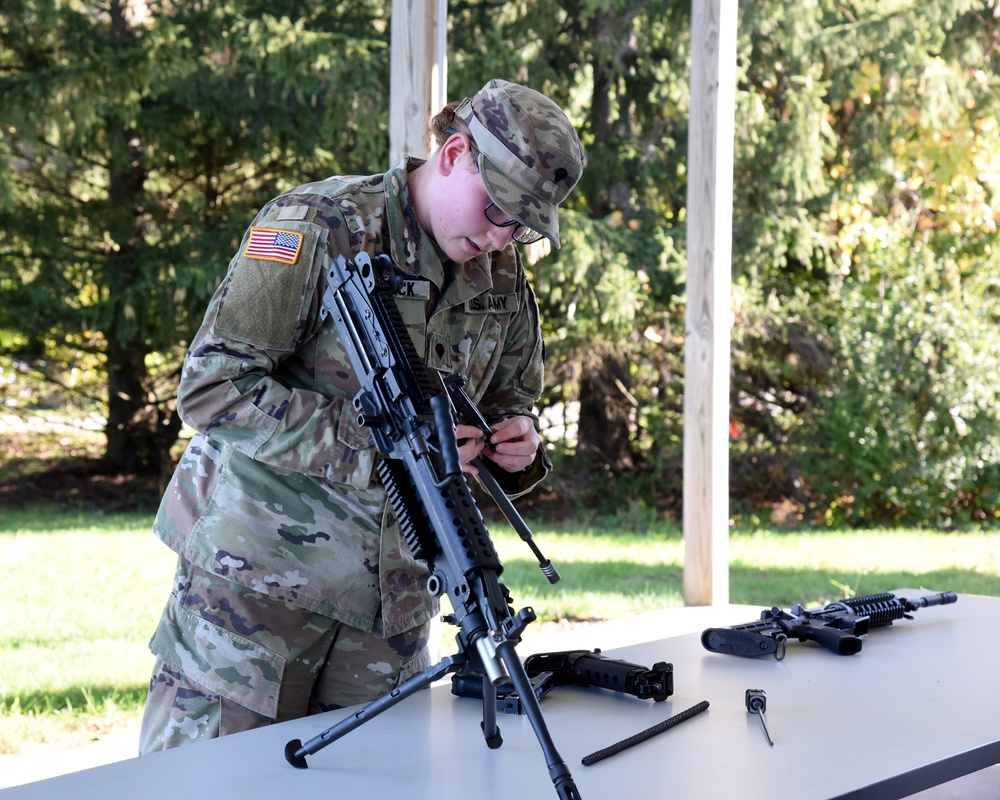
576 668
410 415
838 626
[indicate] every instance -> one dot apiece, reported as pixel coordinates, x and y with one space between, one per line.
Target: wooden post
418 89
706 354
418 73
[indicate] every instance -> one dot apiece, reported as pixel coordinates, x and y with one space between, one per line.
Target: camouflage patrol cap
530 154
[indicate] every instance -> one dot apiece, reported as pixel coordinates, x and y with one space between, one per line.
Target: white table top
919 705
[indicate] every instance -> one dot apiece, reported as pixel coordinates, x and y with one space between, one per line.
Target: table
918 706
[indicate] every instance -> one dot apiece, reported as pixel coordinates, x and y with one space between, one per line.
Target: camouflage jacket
276 490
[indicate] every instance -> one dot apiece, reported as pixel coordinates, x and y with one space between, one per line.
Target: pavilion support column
418 73
706 354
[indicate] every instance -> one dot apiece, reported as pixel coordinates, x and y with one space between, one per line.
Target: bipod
295 751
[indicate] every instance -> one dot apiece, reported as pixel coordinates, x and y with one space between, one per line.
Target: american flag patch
273 245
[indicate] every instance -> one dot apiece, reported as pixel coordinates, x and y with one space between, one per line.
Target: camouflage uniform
294 593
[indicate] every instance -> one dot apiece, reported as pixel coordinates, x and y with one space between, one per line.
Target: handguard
586 668
576 668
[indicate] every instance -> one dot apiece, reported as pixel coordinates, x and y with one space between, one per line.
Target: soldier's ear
452 152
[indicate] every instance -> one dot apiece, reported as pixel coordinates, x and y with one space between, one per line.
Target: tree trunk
606 414
131 429
128 444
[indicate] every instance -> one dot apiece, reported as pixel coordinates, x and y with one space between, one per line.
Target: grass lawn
84 591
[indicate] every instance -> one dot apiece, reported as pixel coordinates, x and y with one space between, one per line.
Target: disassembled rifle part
756 702
575 668
840 627
642 736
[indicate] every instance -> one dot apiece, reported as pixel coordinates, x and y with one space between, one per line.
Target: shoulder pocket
270 285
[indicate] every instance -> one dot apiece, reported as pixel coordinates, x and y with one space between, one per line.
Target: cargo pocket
222 661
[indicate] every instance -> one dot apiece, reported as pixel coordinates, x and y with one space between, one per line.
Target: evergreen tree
138 140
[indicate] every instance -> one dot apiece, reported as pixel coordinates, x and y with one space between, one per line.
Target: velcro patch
270 244
419 289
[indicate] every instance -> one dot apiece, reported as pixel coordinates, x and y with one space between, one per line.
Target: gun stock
743 641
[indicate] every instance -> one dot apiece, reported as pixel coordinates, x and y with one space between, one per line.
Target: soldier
294 593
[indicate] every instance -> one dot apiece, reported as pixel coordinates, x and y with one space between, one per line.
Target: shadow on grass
621 577
79 484
812 587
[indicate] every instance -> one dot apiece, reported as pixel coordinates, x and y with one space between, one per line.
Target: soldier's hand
515 444
470 445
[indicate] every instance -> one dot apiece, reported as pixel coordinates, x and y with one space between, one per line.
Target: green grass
82 593
608 574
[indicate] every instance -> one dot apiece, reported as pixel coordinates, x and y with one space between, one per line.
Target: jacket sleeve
235 386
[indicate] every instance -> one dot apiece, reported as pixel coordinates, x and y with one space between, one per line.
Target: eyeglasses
497 217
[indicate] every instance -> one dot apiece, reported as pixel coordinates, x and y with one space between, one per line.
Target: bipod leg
295 751
489 724
558 771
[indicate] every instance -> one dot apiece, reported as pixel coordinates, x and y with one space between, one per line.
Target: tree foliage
139 138
879 261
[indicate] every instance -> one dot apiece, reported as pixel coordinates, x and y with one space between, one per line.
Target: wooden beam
418 73
706 355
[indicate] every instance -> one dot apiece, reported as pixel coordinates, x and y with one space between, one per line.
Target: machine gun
410 415
577 668
838 626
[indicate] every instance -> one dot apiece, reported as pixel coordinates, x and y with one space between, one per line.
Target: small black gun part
756 702
467 410
508 701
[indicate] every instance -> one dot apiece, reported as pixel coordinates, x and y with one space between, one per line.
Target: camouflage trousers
229 659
